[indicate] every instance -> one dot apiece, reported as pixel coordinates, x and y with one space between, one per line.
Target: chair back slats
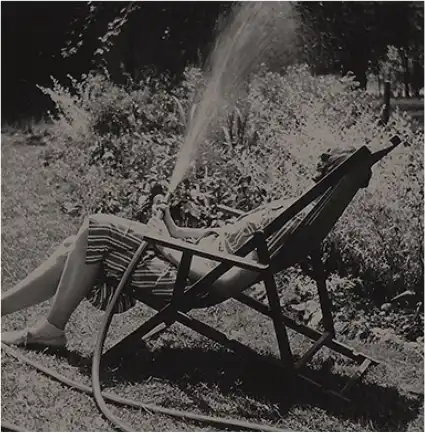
315 226
337 194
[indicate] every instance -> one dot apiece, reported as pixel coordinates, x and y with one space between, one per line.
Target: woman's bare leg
40 285
75 282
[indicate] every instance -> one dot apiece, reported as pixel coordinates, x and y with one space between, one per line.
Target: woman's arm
232 282
181 232
229 284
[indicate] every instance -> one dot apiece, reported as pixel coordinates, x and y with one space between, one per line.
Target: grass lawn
409 104
180 370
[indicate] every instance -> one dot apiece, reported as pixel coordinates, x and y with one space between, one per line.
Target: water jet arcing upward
250 31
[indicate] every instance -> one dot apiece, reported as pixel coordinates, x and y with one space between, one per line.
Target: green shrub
111 144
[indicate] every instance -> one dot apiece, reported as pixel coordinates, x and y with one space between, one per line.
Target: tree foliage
354 36
60 38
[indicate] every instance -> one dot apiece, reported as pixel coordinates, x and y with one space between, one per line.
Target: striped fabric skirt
112 241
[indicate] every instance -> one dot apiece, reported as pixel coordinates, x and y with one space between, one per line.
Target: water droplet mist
250 31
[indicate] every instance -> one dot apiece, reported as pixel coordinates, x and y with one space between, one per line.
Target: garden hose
96 390
101 336
113 398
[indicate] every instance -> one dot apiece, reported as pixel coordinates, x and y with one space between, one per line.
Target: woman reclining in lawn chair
90 264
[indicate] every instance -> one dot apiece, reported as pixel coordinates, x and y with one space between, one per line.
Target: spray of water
252 29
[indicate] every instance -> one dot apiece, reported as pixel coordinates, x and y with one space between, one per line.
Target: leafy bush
111 144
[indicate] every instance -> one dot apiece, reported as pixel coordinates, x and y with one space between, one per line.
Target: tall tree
354 36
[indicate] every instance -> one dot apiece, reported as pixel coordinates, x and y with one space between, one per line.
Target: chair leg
280 328
325 301
275 307
154 326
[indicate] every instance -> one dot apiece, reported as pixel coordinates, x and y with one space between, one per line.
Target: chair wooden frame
184 299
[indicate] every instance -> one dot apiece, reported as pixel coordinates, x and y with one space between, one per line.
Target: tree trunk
357 59
362 78
406 75
417 77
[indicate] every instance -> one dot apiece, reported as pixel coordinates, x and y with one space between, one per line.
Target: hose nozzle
160 199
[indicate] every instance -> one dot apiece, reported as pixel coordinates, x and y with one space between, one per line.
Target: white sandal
24 338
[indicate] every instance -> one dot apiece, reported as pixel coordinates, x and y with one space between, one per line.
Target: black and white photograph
212 216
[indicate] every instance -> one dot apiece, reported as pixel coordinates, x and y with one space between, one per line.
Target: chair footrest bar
221 338
156 331
308 332
316 346
320 340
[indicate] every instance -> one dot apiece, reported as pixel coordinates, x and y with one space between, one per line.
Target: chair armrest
229 259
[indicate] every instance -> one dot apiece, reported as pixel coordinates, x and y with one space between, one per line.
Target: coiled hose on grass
100 396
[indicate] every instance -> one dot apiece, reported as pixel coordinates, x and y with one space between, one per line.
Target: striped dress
112 241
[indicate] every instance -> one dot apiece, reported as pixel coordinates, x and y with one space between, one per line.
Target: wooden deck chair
276 251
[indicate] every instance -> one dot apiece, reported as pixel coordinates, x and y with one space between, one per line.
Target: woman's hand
162 208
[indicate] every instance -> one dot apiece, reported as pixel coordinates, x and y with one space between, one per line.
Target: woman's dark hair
331 159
